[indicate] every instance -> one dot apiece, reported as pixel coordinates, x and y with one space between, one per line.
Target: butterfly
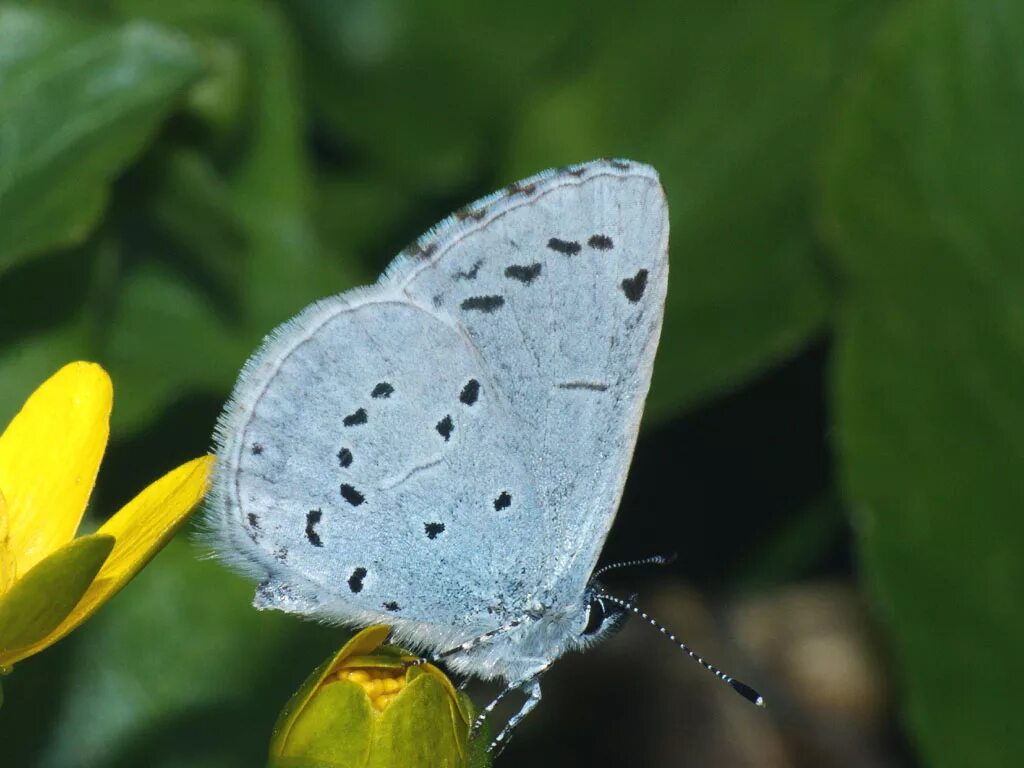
444 451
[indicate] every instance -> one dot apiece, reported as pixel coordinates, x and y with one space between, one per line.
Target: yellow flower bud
366 708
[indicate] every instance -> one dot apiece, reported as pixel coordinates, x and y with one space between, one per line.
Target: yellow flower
365 708
50 581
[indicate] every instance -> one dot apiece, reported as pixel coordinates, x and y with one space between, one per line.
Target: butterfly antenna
742 689
653 560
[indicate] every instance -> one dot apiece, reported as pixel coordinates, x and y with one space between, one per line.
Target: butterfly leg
470 644
532 689
486 711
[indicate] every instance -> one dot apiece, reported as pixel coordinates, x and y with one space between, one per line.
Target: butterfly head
600 617
604 613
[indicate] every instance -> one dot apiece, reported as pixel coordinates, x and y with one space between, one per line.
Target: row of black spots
524 273
485 304
382 391
355 419
355 581
471 273
312 520
598 242
566 247
433 530
634 286
470 393
351 495
392 606
445 427
504 501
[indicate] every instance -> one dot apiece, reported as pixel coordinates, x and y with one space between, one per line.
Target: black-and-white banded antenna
652 560
742 689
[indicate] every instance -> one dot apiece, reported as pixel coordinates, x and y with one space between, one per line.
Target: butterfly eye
595 617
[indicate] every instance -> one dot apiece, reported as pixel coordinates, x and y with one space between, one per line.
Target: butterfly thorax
532 643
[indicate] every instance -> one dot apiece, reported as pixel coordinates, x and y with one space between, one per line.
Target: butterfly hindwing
369 470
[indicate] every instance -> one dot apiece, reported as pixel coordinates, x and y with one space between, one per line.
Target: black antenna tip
747 692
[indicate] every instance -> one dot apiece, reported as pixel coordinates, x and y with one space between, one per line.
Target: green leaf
725 100
223 247
79 103
41 598
269 176
925 208
165 339
422 88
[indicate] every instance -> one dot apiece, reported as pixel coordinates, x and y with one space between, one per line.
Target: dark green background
844 336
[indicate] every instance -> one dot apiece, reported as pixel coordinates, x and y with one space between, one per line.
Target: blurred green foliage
177 178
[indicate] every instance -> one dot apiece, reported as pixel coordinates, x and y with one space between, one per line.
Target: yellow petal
49 456
43 597
7 569
140 530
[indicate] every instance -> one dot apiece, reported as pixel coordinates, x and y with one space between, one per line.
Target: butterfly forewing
562 293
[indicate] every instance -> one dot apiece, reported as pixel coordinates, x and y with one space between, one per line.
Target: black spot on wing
504 501
595 386
417 251
622 165
469 274
524 273
433 529
351 495
600 242
470 392
345 458
391 605
383 389
468 213
521 189
257 449
312 519
355 581
634 286
354 419
444 427
254 522
568 247
486 304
